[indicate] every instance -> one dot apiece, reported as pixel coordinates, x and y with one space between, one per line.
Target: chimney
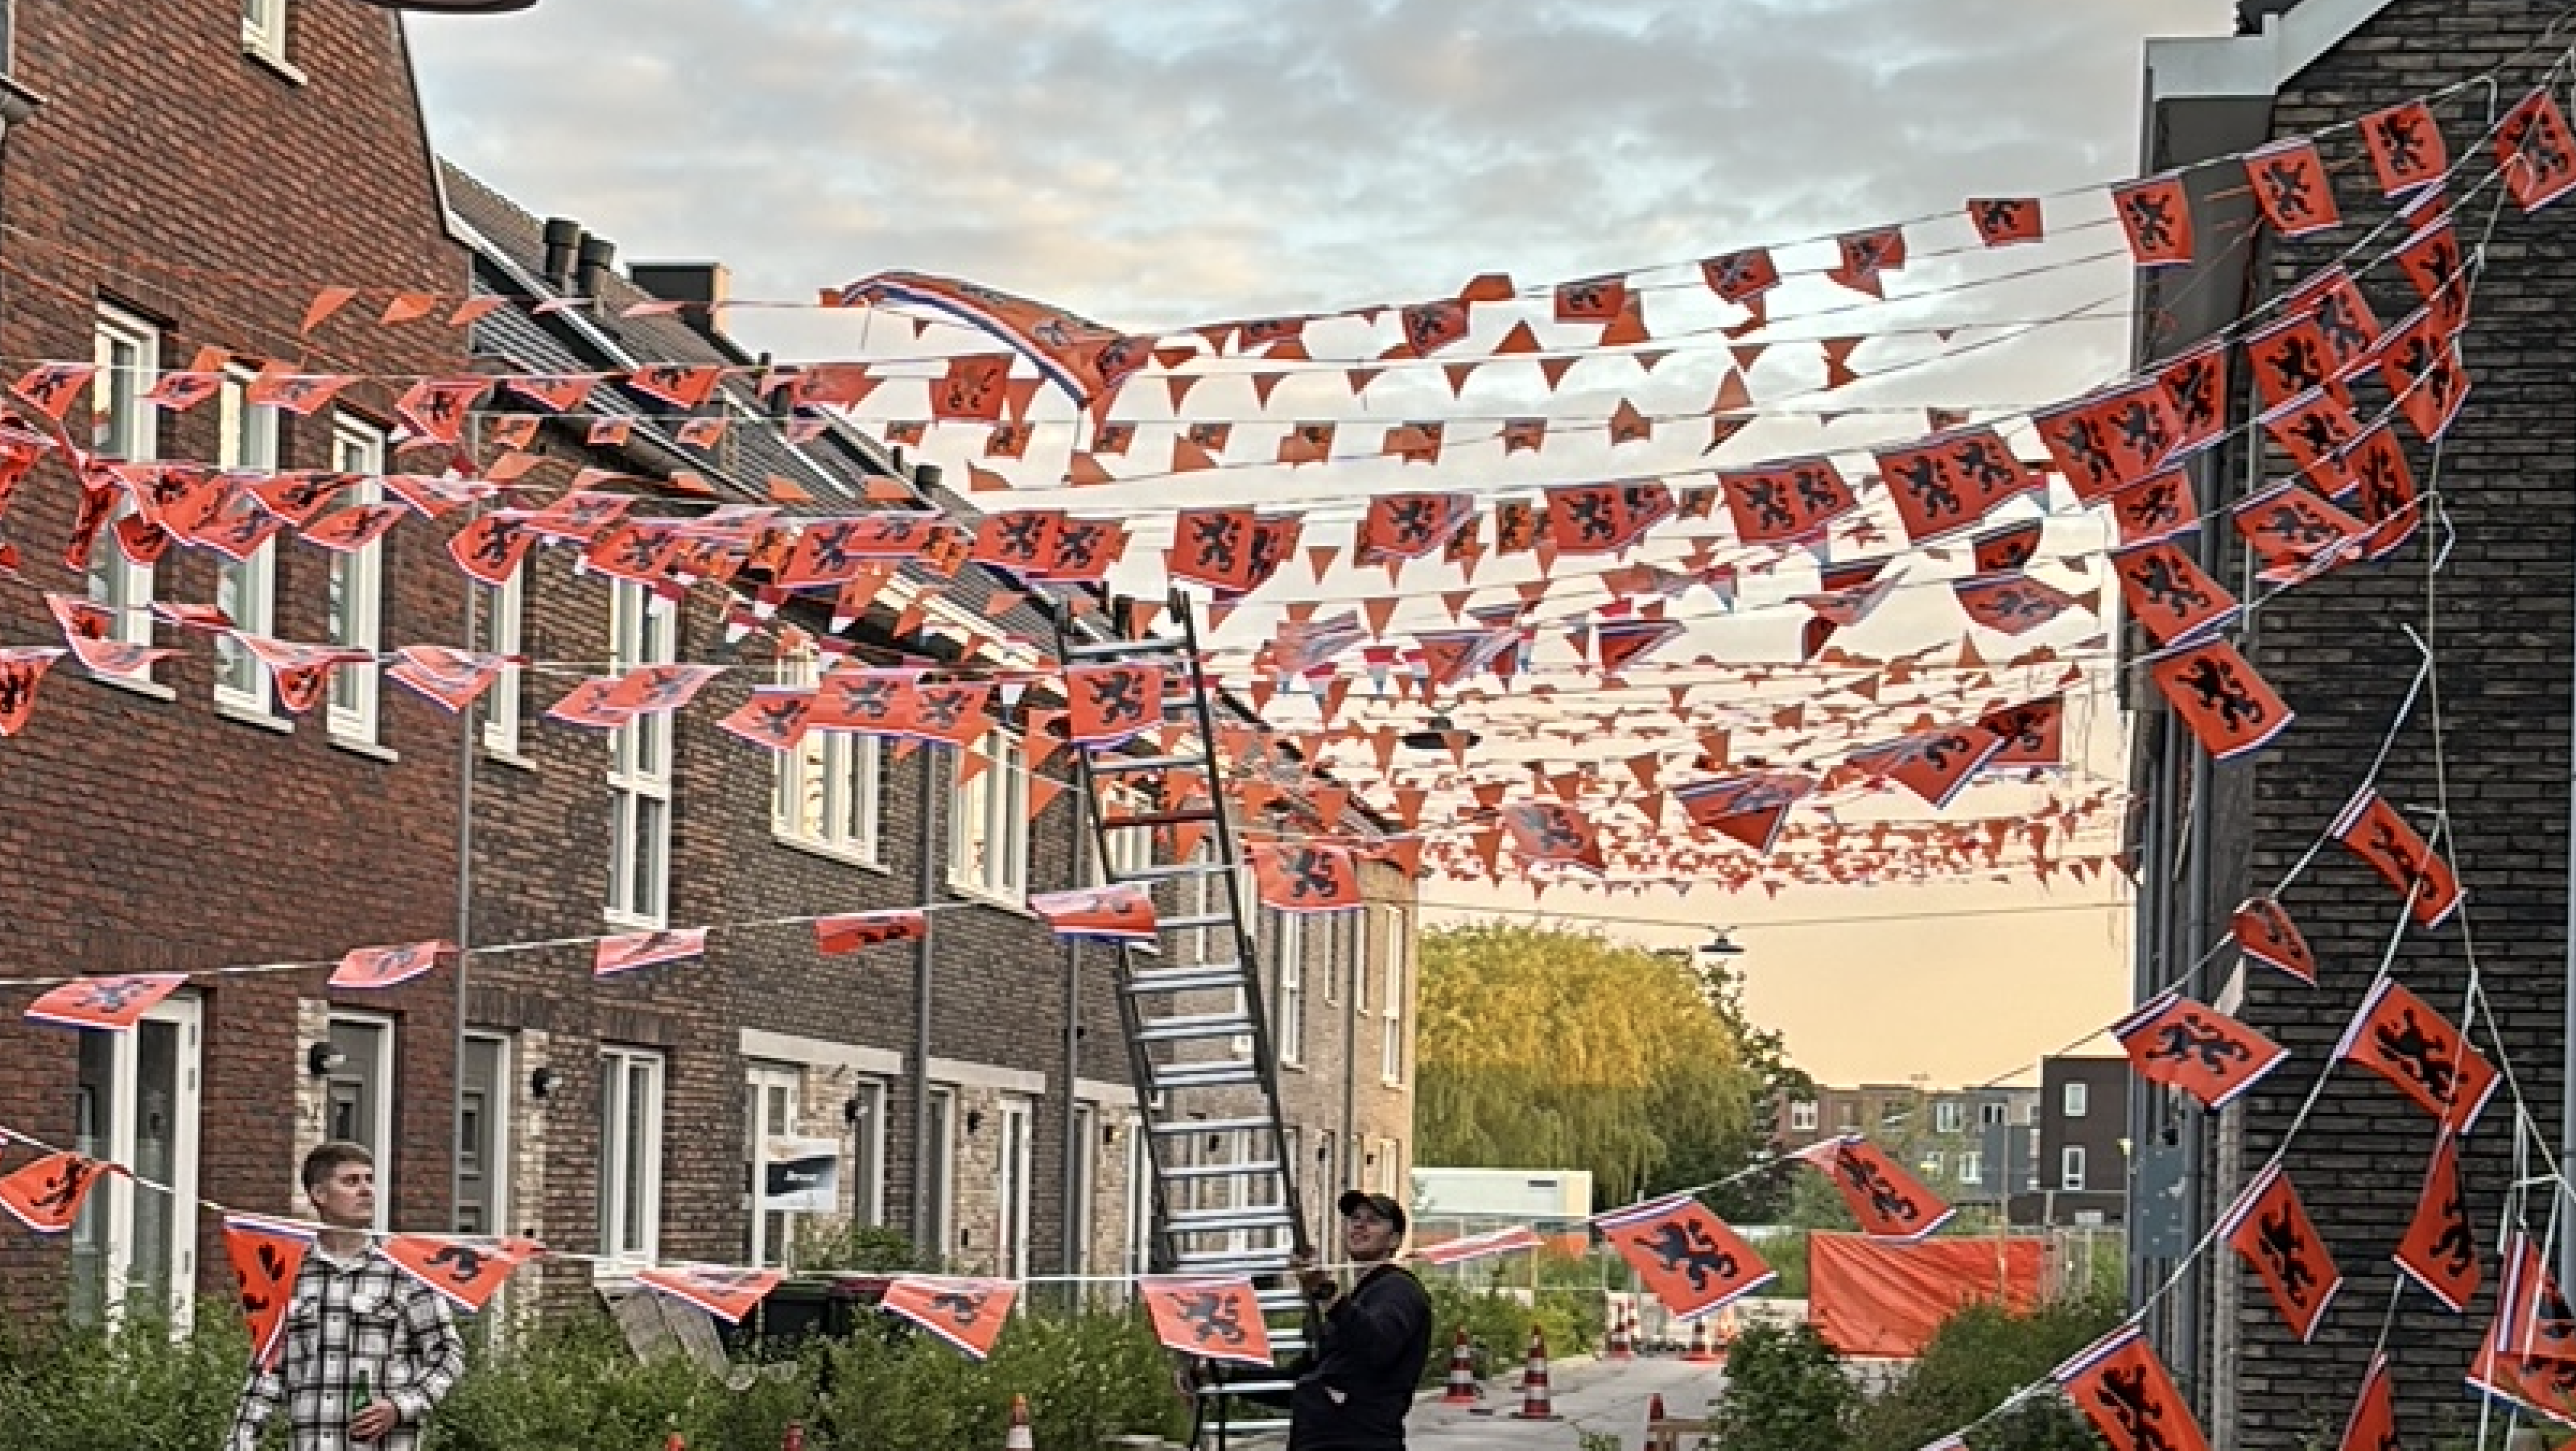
596 254
563 240
707 284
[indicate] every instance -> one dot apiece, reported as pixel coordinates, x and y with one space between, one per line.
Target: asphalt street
1588 1395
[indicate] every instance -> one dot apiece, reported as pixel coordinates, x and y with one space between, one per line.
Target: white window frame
357 580
1137 1242
1933 1162
1391 1055
643 630
380 1139
125 428
2071 1167
867 1150
507 603
1994 1113
1130 849
1802 1116
113 1201
759 1079
1972 1166
1014 1184
1288 950
988 825
1949 1116
1082 1219
941 1238
843 772
264 28
625 1129
245 440
2074 1098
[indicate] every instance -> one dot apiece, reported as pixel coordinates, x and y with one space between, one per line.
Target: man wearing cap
1364 1360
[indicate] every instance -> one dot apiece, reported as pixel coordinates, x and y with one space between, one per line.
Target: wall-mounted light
1109 1133
541 1084
974 1119
854 1109
321 1058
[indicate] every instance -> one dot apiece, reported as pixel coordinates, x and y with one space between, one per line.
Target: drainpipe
1075 1208
467 727
925 839
1351 1051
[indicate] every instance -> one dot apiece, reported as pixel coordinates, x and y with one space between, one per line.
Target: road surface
1590 1395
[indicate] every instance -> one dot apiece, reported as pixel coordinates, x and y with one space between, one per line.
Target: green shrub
825 1243
1785 1391
1978 1357
74 1390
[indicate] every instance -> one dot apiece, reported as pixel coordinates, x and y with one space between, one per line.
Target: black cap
1355 1200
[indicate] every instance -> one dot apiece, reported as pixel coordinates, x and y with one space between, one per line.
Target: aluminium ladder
1199 1044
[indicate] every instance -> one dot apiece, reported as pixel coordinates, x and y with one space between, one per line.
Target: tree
1759 1197
1544 1049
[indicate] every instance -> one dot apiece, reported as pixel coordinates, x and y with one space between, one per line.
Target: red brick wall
171 173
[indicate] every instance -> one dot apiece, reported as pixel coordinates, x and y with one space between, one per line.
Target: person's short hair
330 1159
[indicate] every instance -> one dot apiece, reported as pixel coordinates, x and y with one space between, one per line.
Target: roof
2259 64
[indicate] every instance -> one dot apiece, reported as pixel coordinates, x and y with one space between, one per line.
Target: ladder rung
1191 1028
1248 1388
1187 979
1120 765
1239 1262
1205 919
1285 1298
1178 1127
1174 650
1219 1171
1171 872
1157 818
1226 1221
1221 1074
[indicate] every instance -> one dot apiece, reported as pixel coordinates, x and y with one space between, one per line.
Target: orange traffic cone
1463 1390
1699 1351
675 1442
1535 1403
1654 1415
1620 1347
795 1438
1019 1439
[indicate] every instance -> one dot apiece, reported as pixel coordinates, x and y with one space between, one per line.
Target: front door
772 1113
134 1246
483 1137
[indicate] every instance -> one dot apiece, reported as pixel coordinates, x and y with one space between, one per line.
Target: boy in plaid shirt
355 1318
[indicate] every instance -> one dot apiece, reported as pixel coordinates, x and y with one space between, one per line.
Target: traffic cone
1019 1439
1699 1352
795 1438
675 1442
1620 1347
1535 1404
1654 1415
1462 1390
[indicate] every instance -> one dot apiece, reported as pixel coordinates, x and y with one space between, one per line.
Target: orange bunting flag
46 1195
2033 735
2546 1388
1750 808
466 1275
2191 1046
2373 1423
2122 1388
1786 502
2195 387
1553 833
1935 765
2289 183
2440 1247
266 1257
2382 836
1687 1256
2170 596
2156 214
2400 1037
2534 1321
2004 221
2270 1228
382 967
2266 934
2537 151
2406 147
2228 708
1867 257
968 1314
1114 914
1883 1195
851 931
635 950
1478 1246
1740 277
1305 877
113 1003
1111 704
1213 1319
727 1294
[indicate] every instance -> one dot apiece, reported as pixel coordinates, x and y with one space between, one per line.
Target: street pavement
1588 1395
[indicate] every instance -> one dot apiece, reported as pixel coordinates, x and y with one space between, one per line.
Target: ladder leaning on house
1198 1031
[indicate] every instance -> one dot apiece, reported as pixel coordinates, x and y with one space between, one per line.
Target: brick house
2208 836
187 821
2082 1163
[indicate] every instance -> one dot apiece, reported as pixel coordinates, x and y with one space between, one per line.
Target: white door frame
758 1079
187 1014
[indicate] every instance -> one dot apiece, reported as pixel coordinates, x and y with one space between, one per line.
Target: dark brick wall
170 173
2501 623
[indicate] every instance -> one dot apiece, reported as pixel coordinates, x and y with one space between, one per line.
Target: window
827 787
2072 1099
1802 1116
642 631
483 1136
2070 1167
1934 1162
264 28
1012 1180
1391 1008
1972 1166
507 606
937 1168
245 589
122 426
136 1104
865 1112
630 1158
358 1102
1131 849
1138 1239
1990 1114
988 825
772 1102
1847 1118
1288 952
357 583
1948 1117
1086 1186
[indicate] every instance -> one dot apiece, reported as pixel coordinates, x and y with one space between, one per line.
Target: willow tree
1546 1049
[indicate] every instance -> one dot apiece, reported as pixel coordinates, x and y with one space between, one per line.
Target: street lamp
1722 944
1438 734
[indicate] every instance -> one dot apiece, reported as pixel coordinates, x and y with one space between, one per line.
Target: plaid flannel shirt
348 1316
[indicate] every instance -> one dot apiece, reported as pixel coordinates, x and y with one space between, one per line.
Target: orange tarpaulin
1871 1297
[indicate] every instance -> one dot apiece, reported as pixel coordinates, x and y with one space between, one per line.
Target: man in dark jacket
1365 1356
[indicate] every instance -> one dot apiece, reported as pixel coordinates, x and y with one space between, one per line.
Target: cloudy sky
1156 165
